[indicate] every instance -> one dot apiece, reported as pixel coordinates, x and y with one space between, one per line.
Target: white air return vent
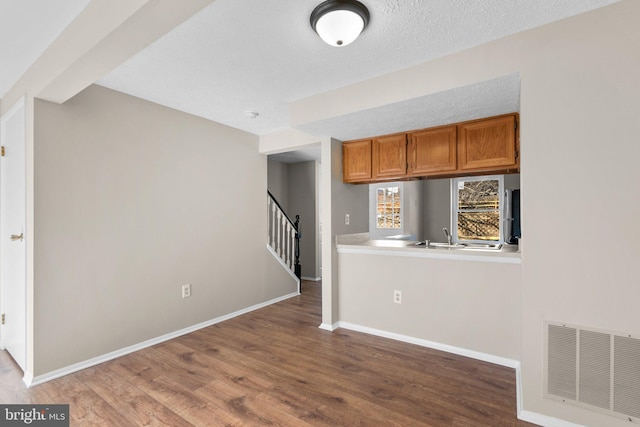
562 361
626 382
592 368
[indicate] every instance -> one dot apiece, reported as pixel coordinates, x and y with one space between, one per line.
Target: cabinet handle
15 237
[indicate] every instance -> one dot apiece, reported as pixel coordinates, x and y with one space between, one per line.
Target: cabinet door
390 157
356 161
488 144
433 151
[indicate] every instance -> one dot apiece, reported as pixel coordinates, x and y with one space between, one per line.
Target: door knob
15 237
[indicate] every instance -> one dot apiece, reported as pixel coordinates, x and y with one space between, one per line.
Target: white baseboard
312 279
30 381
328 327
503 361
544 420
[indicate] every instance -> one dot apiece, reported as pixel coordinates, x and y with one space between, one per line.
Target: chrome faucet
446 233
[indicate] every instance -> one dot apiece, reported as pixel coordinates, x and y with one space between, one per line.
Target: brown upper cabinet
488 144
356 161
470 148
389 157
433 151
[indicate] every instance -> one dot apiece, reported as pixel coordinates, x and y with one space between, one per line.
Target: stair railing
284 237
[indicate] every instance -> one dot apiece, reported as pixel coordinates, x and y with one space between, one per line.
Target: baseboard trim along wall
311 279
30 381
503 361
543 420
523 415
328 327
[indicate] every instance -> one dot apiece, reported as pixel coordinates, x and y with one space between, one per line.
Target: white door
12 233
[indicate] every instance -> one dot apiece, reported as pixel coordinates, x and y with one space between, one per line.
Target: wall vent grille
593 368
562 361
626 383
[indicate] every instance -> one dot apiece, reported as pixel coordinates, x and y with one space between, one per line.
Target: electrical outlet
346 219
397 297
186 290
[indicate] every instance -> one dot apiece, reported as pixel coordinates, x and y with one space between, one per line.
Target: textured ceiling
255 55
302 155
490 98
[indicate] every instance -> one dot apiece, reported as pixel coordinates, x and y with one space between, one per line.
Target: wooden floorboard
274 366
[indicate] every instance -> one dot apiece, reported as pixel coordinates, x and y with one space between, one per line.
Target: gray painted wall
302 201
436 204
278 182
347 199
133 200
344 198
467 304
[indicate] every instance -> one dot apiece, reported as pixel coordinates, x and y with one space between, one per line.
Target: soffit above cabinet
486 99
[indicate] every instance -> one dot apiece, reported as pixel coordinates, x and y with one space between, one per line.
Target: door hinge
517 153
515 125
3 318
2 151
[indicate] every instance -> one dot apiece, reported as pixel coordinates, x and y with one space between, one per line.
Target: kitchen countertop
361 244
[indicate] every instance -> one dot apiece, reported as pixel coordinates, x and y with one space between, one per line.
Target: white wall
132 201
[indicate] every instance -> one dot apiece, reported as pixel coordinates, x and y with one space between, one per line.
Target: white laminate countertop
361 244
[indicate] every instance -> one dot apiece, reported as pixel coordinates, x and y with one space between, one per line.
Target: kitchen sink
483 247
446 245
461 246
438 245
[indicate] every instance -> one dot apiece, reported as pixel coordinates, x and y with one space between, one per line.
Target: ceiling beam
103 36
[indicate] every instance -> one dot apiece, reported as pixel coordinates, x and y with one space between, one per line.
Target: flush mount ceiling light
339 22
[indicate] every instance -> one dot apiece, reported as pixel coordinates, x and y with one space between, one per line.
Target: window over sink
477 211
395 210
388 208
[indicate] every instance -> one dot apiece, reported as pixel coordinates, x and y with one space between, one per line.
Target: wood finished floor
275 367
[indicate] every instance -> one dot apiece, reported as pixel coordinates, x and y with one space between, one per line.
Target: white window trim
387 233
454 207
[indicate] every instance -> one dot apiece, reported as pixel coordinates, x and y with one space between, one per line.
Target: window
395 210
389 214
388 208
477 210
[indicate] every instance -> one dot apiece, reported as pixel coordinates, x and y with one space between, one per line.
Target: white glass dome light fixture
339 22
